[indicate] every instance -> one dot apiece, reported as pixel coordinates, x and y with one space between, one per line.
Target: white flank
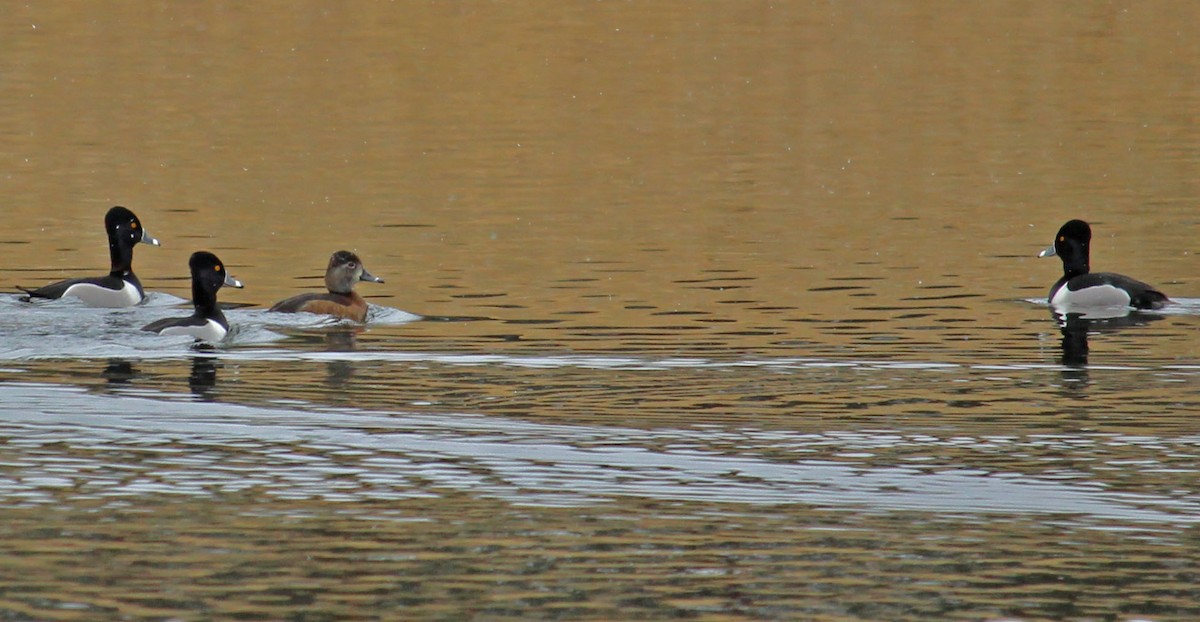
96 296
210 331
1095 296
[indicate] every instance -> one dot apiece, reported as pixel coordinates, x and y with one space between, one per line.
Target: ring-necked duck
207 323
345 269
121 288
1079 287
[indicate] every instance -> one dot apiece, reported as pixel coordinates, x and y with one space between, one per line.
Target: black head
345 269
124 232
208 275
1072 246
1075 231
125 229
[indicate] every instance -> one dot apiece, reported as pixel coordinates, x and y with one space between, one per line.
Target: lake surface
717 312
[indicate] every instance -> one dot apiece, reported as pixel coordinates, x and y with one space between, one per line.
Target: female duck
345 269
121 287
1079 287
207 323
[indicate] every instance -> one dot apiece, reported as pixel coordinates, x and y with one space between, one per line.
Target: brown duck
345 269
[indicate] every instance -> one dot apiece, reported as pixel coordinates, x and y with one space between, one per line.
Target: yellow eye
133 225
217 268
1062 238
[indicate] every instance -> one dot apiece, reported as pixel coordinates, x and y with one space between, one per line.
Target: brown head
345 269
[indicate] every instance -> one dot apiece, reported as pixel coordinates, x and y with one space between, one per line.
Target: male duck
207 323
121 287
1079 287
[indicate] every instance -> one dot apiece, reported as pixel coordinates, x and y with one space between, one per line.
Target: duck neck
338 286
204 301
1076 267
120 256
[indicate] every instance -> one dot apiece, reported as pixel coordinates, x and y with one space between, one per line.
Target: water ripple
158 446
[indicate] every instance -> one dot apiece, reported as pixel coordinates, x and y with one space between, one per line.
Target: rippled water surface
722 312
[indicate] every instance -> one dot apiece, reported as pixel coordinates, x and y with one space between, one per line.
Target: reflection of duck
1079 287
118 371
204 375
338 373
1076 326
342 340
1074 339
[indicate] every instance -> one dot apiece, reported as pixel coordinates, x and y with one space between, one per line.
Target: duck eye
217 268
1062 238
133 225
352 265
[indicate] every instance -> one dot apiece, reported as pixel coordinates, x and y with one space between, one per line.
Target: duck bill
1047 252
367 276
149 239
232 282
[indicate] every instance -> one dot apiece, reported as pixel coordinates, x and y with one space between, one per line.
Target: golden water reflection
728 312
445 558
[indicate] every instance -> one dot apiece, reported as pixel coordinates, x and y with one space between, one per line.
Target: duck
120 287
208 323
345 269
1080 287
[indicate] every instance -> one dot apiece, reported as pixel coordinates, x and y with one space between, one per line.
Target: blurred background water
724 311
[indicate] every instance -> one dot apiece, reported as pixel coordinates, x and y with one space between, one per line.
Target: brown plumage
351 307
345 269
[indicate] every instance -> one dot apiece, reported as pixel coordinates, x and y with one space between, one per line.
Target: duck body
344 270
207 329
1105 289
111 291
120 287
1080 287
349 306
207 323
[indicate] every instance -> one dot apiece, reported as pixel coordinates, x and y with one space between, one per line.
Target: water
720 313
